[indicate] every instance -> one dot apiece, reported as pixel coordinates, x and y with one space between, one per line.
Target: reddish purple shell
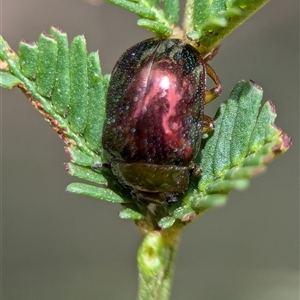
155 104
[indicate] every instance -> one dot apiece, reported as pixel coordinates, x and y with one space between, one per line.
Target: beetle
155 117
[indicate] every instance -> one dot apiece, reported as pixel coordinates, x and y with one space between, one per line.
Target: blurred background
59 246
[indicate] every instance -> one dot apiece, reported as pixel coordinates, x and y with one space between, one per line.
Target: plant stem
211 41
156 261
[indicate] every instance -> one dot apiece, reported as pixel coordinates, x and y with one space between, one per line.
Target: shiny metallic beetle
154 117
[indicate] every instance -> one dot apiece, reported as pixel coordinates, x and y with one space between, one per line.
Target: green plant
68 92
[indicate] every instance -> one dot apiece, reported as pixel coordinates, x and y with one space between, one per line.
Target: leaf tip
130 214
3 65
189 217
256 85
47 36
67 167
286 143
28 43
166 222
272 107
56 28
68 152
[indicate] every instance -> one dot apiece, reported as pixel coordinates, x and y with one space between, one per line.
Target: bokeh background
59 246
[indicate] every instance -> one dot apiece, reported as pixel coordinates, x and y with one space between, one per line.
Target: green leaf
85 173
156 27
78 85
130 214
243 142
8 81
235 122
80 157
166 222
46 65
141 10
28 54
69 90
201 12
249 101
184 213
61 91
171 10
210 21
266 117
95 192
160 19
239 141
221 25
205 21
200 204
245 172
96 100
227 185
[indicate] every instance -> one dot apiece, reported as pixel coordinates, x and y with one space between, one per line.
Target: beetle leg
208 57
194 169
208 124
216 91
